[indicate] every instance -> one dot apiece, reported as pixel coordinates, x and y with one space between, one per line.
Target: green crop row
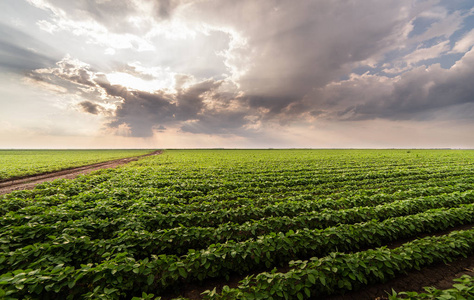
161 217
341 272
134 182
130 231
180 239
126 275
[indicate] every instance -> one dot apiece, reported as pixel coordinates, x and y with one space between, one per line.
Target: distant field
292 224
15 163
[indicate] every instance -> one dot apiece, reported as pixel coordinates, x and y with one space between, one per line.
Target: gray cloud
286 57
310 43
225 122
20 52
74 73
165 8
90 107
68 75
420 94
305 46
198 108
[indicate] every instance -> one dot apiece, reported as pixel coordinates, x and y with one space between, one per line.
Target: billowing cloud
242 68
198 108
419 94
194 106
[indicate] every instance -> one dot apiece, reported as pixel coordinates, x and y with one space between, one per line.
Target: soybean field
242 224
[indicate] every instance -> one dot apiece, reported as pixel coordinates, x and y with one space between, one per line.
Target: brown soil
29 182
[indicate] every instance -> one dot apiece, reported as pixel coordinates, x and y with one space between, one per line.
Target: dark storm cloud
90 107
310 43
20 52
307 45
143 111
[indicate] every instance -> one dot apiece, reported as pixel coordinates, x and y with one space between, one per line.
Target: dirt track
29 182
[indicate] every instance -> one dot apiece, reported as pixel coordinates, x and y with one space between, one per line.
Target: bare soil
29 182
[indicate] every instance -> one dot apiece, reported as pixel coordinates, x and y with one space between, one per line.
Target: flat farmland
242 224
20 163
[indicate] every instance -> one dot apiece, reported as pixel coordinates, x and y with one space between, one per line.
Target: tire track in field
29 182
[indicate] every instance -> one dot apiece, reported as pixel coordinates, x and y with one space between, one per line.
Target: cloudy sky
226 73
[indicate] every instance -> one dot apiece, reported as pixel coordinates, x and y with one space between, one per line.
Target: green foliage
187 216
339 272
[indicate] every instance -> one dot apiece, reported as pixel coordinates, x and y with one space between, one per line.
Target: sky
236 74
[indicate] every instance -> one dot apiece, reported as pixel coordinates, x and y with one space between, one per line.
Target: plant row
181 238
142 243
157 219
339 272
127 276
146 200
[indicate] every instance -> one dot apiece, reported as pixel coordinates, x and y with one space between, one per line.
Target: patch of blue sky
453 5
446 61
431 42
468 25
420 25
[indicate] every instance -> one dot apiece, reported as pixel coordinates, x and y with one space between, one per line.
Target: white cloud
421 54
47 26
95 32
446 25
465 43
110 51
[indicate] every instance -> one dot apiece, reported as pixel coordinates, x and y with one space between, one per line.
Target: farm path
29 182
